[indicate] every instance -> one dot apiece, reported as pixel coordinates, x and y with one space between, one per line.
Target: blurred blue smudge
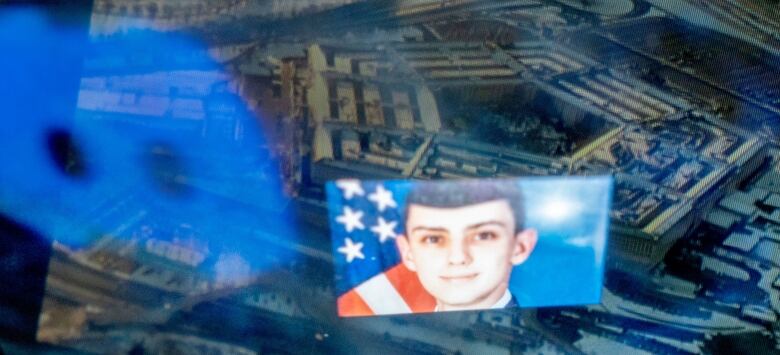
136 171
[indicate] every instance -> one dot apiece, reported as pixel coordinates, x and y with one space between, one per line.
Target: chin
460 301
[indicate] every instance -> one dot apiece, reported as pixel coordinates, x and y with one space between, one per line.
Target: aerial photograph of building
266 101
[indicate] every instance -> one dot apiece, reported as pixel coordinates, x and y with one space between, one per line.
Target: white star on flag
352 250
351 188
382 198
351 219
384 229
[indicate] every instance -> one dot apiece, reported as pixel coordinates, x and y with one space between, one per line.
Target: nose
459 254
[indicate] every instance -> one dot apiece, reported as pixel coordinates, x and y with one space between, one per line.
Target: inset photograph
453 245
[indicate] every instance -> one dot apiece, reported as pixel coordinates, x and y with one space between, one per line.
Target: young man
462 239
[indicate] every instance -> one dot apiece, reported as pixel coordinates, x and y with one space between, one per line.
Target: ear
406 252
525 241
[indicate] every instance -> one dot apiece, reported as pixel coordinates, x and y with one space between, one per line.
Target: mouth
459 278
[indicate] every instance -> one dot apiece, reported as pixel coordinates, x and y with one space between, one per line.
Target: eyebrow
482 224
434 229
473 226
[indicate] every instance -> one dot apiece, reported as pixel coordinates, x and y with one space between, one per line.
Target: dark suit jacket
512 303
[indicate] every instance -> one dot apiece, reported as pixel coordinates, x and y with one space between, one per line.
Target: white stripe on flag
380 295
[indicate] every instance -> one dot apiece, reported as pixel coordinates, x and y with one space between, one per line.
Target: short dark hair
457 193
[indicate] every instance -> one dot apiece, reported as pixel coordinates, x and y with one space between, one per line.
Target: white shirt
502 302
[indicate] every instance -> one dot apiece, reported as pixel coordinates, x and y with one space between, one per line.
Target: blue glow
140 170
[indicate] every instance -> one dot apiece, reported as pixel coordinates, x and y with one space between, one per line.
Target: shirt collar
503 301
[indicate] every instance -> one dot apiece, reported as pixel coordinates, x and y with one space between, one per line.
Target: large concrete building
461 110
109 16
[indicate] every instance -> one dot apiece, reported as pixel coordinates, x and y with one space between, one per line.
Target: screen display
404 176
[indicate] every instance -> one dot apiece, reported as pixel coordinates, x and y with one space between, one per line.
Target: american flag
365 218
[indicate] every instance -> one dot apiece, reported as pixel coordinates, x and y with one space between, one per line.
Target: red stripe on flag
411 290
351 304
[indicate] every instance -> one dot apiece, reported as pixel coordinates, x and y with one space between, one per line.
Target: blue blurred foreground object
121 162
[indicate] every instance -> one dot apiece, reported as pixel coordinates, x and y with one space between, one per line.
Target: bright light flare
559 208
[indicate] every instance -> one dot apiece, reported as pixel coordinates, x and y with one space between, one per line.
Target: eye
485 236
432 239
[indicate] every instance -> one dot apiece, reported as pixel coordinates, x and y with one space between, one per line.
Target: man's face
463 256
